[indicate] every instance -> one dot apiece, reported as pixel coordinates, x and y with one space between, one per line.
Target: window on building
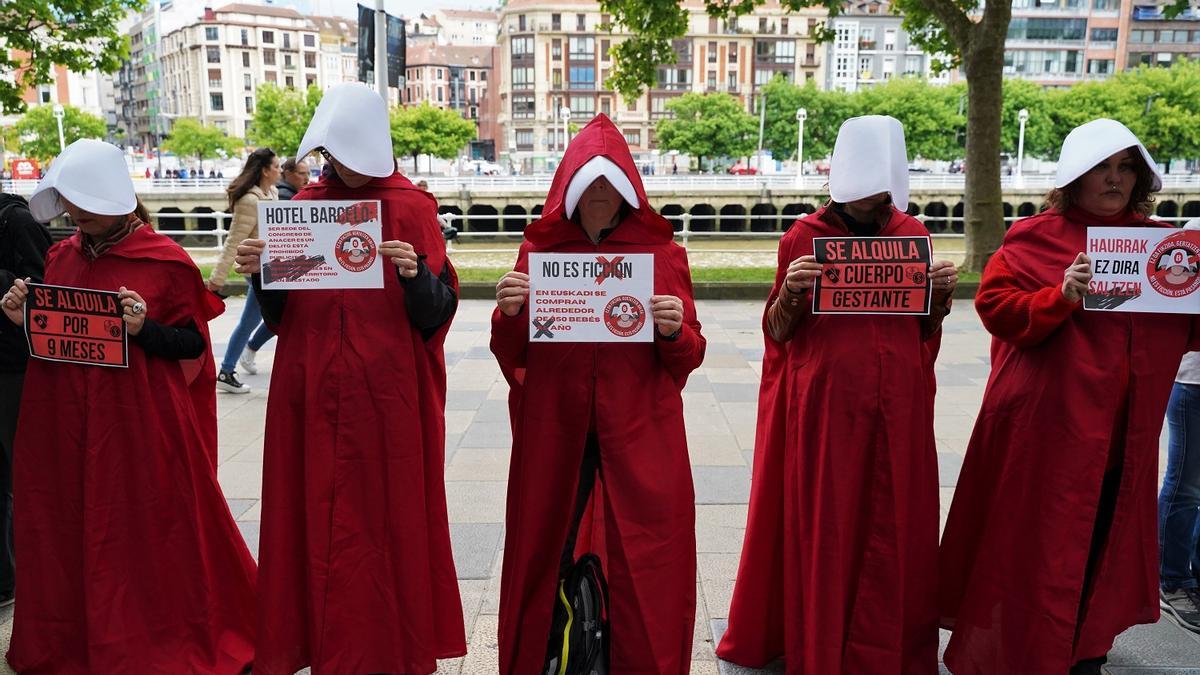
289 82
247 82
245 38
471 75
783 25
913 65
1196 36
310 59
712 24
556 78
731 81
583 106
214 78
583 77
679 79
631 105
580 22
762 24
287 60
1100 66
211 33
268 57
245 59
216 101
249 104
214 54
556 49
524 138
310 40
711 81
633 137
865 66
1106 4
889 68
556 21
733 51
582 48
522 77
268 37
521 22
606 106
889 40
483 76
1104 35
523 108
310 80
522 46
605 21
272 76
287 40
658 106
605 46
712 52
441 95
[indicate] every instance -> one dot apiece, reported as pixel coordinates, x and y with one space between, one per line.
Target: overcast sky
348 8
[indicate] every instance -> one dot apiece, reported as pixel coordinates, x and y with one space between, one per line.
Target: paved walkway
719 406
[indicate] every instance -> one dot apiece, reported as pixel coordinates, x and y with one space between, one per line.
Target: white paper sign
321 244
590 297
1144 269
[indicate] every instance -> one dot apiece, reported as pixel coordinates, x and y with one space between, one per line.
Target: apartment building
338 39
1149 38
870 47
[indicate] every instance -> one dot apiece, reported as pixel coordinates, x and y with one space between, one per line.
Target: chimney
209 14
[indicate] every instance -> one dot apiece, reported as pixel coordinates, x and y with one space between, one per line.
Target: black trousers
10 405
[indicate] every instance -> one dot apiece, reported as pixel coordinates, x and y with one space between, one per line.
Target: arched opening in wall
767 220
457 222
733 218
1168 210
956 218
702 218
792 212
1191 210
935 217
1008 214
515 218
913 209
481 218
1026 209
210 223
536 212
672 212
168 221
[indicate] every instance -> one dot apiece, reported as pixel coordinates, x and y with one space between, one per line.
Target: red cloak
130 559
356 570
839 561
641 519
1061 405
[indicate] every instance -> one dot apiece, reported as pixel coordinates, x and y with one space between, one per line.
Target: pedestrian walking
255 183
1050 548
839 565
130 559
355 436
599 459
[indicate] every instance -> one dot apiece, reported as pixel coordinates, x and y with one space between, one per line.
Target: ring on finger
138 308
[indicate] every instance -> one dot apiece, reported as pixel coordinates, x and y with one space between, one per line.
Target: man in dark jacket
23 246
293 179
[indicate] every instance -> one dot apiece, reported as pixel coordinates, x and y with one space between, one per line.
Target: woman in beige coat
255 183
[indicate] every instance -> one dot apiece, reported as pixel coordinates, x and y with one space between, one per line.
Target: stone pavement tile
471 591
251 452
717 566
718 593
499 390
735 392
457 421
241 480
697 382
478 464
249 530
492 411
459 399
1163 644
475 546
742 419
238 507
714 450
483 655
730 359
949 464
5 638
704 667
703 415
253 513
744 375
476 501
726 668
721 484
450 666
720 527
487 435
702 641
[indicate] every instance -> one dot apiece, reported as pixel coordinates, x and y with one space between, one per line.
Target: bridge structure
700 204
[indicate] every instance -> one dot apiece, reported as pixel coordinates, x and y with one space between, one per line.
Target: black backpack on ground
579 631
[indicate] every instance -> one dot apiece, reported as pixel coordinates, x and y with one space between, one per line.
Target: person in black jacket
294 178
23 246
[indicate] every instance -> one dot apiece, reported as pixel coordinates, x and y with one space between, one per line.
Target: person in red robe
839 560
356 573
130 559
1050 546
608 413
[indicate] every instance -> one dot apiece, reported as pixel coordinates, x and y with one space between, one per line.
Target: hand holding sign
802 273
1076 278
133 310
668 313
944 275
13 302
249 256
402 255
511 293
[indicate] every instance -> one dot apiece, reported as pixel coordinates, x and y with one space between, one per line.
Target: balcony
866 45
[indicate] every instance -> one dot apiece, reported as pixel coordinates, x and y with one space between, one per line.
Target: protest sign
76 325
1143 269
585 297
872 275
321 244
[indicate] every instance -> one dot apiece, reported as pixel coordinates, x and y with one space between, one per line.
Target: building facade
212 68
467 27
1150 39
338 61
556 55
1061 42
870 47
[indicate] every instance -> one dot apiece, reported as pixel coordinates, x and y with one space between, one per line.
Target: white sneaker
247 361
227 381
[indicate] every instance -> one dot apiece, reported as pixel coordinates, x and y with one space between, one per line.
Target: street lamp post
59 112
565 114
801 115
1022 116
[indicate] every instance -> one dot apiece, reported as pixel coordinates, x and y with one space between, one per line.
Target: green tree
928 113
969 33
189 138
826 111
426 130
38 130
81 35
281 117
708 126
1042 137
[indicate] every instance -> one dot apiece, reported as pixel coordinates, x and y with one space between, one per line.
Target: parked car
742 169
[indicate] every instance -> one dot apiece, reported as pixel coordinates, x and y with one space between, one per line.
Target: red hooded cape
130 559
839 561
641 519
356 570
1057 410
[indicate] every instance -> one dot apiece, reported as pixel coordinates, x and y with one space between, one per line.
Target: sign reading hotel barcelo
321 244
76 325
588 297
1144 269
872 275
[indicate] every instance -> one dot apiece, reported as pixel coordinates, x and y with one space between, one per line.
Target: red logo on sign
1174 266
624 316
355 250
